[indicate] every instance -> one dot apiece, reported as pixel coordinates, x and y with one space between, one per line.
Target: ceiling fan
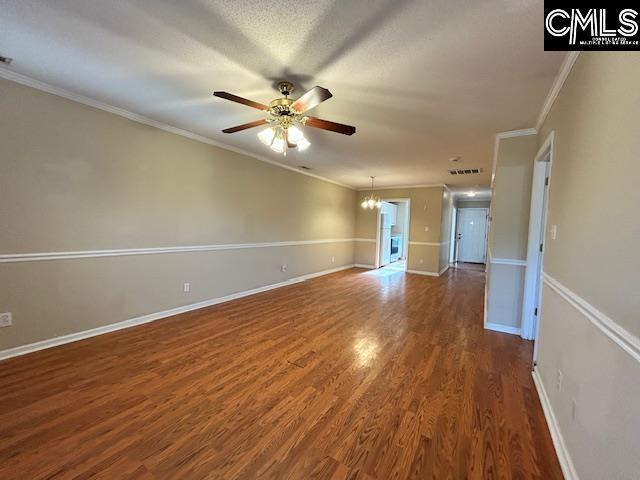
285 118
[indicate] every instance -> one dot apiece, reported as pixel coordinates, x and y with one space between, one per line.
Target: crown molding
60 92
433 185
517 133
565 70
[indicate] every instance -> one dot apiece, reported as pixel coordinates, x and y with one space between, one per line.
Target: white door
472 234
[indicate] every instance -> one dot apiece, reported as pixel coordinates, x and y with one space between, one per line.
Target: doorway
471 235
531 303
392 239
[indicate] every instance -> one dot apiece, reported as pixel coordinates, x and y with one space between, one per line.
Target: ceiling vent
465 171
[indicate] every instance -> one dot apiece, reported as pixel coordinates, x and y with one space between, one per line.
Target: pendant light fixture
371 201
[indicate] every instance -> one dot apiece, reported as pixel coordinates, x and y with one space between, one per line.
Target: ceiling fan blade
331 126
311 99
237 99
244 126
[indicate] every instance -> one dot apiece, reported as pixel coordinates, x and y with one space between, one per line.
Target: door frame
538 218
486 231
405 245
452 237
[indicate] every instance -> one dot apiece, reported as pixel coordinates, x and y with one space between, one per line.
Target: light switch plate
5 319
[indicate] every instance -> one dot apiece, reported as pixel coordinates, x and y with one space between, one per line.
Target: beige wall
425 211
73 178
594 200
511 197
508 229
594 193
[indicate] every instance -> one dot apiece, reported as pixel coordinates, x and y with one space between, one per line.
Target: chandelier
371 201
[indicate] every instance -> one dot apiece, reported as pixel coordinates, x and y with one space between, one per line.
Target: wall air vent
465 171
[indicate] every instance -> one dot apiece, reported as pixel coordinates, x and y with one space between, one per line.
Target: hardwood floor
354 375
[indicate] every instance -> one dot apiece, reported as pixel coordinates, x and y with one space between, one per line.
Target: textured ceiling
422 80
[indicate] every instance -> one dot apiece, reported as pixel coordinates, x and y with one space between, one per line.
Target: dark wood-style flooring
354 375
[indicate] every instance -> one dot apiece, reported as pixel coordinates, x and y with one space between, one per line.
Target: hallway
349 375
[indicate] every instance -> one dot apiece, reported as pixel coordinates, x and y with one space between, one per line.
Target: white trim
369 240
485 313
626 340
497 327
546 147
517 133
405 237
565 70
422 272
364 189
60 92
568 470
73 337
31 257
444 269
538 215
364 265
508 261
429 244
376 261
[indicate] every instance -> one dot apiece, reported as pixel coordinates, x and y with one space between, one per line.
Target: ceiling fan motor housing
286 88
282 113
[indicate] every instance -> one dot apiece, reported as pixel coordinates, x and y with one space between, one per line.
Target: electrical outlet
283 268
559 381
421 261
5 319
426 229
574 407
186 288
333 259
554 231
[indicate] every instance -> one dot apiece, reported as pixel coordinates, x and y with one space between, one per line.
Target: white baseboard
564 458
364 265
502 328
422 272
73 337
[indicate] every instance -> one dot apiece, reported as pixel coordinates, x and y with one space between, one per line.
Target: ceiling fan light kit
286 118
371 201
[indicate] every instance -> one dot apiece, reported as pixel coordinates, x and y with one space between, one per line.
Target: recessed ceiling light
457 158
471 194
